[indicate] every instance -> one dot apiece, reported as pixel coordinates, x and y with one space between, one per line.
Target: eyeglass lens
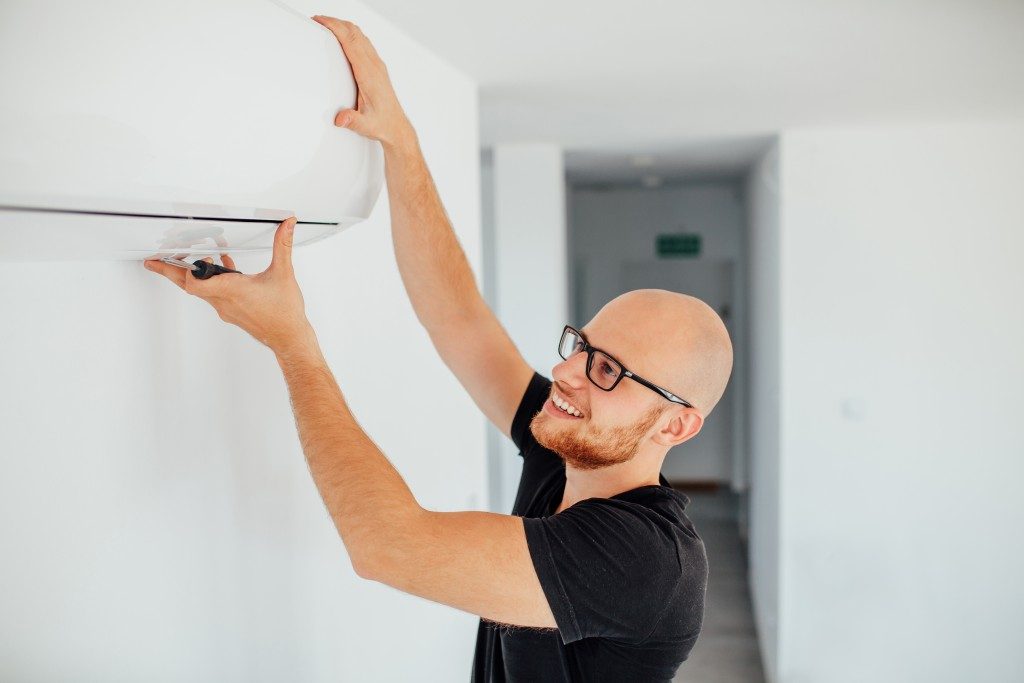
601 369
569 345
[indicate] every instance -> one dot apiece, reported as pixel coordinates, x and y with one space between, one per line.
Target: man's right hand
436 274
377 115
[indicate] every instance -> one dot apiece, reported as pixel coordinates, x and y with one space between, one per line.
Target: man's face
613 424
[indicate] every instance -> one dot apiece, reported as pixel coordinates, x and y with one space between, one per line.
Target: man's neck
604 482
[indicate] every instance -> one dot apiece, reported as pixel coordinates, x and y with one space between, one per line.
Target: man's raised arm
434 269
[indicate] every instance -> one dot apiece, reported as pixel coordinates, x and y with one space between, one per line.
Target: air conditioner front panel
159 113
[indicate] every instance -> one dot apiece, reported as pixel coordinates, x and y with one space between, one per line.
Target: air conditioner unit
142 128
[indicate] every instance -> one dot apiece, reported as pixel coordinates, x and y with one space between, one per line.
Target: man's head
672 340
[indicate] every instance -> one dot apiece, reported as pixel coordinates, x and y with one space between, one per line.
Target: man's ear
683 425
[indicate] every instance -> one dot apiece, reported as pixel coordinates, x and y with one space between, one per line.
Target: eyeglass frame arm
589 350
664 392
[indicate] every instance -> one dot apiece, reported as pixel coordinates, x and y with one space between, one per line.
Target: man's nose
572 371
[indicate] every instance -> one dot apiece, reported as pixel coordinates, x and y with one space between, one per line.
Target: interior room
835 186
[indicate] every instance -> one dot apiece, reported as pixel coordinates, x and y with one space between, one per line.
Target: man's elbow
363 569
383 555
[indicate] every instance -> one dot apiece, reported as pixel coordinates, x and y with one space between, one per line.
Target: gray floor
727 650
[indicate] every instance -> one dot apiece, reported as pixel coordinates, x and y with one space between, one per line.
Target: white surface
602 73
612 248
157 519
192 109
763 359
529 253
900 289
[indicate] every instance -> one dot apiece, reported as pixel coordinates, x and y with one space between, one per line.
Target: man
598 561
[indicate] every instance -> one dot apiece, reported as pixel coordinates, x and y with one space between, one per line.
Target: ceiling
673 77
655 165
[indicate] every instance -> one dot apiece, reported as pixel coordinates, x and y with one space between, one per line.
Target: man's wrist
301 346
402 144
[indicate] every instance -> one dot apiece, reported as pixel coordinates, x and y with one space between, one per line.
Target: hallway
727 650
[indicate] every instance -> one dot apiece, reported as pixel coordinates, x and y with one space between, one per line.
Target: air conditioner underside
34 234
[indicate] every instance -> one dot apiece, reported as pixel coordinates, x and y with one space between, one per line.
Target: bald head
674 340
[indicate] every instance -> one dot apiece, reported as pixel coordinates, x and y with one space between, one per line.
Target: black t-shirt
625 577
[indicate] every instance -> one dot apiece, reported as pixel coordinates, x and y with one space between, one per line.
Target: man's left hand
268 305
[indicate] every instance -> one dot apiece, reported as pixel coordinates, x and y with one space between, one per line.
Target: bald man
597 575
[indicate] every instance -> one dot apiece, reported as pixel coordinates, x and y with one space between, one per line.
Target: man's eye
608 369
578 347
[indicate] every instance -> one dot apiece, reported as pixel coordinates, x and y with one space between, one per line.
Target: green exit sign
678 244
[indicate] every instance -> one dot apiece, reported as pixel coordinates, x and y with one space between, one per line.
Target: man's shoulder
657 499
638 551
659 505
658 526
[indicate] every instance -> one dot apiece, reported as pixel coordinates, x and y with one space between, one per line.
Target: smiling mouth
562 407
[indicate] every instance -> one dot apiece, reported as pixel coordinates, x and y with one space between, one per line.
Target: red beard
593 448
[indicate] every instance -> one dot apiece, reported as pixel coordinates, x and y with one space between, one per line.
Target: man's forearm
433 266
364 494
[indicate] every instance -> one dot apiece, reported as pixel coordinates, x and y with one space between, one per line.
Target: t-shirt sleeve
537 391
606 568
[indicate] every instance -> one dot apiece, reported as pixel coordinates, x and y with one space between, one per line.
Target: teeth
566 406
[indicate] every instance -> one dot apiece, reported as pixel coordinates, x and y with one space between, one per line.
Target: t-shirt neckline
560 491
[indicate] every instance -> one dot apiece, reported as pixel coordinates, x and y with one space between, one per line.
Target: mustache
568 393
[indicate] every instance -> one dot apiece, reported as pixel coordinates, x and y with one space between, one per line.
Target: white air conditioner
139 128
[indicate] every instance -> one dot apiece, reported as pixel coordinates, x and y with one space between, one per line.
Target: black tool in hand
201 270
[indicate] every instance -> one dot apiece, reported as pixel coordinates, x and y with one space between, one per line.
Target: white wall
157 519
762 247
901 440
526 218
613 231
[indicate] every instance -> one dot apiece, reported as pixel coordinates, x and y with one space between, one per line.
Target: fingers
172 273
346 32
228 261
283 238
184 279
358 49
204 289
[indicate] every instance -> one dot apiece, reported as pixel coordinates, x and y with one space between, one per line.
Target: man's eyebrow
593 346
587 339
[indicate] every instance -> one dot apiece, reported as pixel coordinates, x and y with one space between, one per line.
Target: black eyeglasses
602 369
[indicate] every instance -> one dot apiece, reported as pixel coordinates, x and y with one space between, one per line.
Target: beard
594 447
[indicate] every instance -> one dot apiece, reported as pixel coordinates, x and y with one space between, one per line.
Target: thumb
353 120
283 239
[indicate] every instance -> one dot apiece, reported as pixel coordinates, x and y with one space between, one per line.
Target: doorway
707 458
